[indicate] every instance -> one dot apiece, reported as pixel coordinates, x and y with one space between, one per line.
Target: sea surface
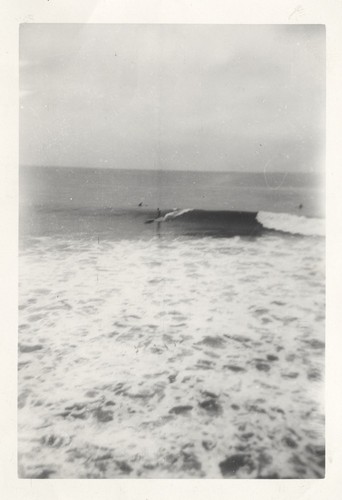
191 346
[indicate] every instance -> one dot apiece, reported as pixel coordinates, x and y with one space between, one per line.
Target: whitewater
192 347
168 358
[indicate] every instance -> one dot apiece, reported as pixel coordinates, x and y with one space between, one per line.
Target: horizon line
287 172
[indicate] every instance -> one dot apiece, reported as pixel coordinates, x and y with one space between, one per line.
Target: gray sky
183 97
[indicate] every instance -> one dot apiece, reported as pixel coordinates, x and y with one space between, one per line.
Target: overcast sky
184 97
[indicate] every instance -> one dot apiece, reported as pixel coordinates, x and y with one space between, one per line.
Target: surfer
176 212
158 216
158 219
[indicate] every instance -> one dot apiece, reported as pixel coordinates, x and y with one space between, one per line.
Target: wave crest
293 224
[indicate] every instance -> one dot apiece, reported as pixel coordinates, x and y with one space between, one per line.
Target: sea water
178 349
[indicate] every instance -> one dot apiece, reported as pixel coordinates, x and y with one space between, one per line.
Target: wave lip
176 212
294 224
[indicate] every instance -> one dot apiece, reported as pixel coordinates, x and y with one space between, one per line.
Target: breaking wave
294 224
241 222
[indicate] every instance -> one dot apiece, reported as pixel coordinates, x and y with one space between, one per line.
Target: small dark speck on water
209 394
46 473
233 463
211 406
263 367
30 348
178 410
124 467
291 443
103 415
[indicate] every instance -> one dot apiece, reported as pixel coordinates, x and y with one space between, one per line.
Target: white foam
152 325
290 223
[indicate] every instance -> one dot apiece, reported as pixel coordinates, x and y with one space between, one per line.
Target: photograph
171 293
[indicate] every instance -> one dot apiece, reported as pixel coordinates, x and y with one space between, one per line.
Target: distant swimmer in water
300 206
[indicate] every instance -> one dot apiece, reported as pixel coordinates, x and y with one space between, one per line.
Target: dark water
104 188
113 204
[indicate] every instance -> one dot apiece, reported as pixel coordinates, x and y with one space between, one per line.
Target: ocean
171 324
